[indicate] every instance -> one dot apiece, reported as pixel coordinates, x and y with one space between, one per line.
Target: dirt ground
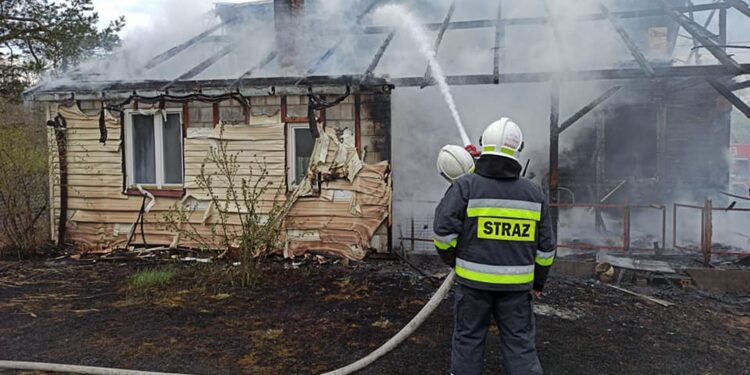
316 318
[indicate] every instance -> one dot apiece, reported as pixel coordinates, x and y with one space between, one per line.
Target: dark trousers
514 316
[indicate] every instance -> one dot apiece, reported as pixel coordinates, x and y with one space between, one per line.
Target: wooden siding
342 218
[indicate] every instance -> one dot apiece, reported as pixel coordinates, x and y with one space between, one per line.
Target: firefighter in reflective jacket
493 226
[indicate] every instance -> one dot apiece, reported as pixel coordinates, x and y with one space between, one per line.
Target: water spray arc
419 36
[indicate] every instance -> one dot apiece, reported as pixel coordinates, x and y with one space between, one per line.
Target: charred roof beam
588 108
632 47
703 36
174 51
526 21
730 96
740 85
202 66
438 40
331 51
269 58
378 55
739 5
499 42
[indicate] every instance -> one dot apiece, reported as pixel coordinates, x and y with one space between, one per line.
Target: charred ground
313 318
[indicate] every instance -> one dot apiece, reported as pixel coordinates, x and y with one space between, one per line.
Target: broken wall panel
347 217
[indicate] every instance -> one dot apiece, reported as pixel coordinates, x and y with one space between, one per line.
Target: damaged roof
476 42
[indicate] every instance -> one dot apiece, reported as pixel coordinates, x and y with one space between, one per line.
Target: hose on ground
70 369
404 333
389 345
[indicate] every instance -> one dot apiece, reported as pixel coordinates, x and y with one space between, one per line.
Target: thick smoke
422 123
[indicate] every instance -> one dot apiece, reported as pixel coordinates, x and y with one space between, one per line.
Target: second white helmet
453 162
503 138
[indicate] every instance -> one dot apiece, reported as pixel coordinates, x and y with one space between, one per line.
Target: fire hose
389 345
404 333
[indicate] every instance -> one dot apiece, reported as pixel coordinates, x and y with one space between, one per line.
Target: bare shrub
246 225
23 181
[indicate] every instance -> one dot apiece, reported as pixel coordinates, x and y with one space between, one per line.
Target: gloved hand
448 257
472 150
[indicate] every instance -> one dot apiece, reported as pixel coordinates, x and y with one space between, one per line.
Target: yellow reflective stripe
489 278
489 149
545 262
515 213
508 151
445 245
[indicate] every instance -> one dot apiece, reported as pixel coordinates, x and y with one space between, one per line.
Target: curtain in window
144 151
303 148
172 138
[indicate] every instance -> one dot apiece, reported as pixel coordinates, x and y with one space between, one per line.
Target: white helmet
454 162
503 138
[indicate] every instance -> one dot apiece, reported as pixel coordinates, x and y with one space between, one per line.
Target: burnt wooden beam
588 108
702 35
332 50
438 40
740 85
262 64
730 96
174 51
202 66
694 51
379 55
526 21
581 75
499 42
739 5
114 87
554 152
629 43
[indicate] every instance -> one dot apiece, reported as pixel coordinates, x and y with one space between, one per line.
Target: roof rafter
588 108
330 51
202 66
526 21
379 55
702 35
438 40
730 96
174 51
632 47
739 5
499 42
262 64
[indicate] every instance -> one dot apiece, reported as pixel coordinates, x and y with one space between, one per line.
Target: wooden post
626 228
413 235
554 147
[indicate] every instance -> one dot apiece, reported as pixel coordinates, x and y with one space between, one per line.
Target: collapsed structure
325 140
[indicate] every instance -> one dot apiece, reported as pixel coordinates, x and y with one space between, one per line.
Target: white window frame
158 147
290 154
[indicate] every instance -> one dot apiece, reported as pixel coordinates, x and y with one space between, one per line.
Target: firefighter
494 228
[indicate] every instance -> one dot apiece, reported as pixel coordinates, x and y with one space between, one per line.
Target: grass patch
150 279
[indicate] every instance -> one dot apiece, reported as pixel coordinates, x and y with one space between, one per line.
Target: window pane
144 163
303 148
173 150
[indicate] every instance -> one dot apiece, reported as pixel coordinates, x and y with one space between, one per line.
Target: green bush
239 195
24 224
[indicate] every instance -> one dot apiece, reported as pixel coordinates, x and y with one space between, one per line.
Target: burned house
309 101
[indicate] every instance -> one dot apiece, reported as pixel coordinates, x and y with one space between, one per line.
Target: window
153 149
300 149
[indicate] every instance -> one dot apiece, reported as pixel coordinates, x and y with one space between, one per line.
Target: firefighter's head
502 138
